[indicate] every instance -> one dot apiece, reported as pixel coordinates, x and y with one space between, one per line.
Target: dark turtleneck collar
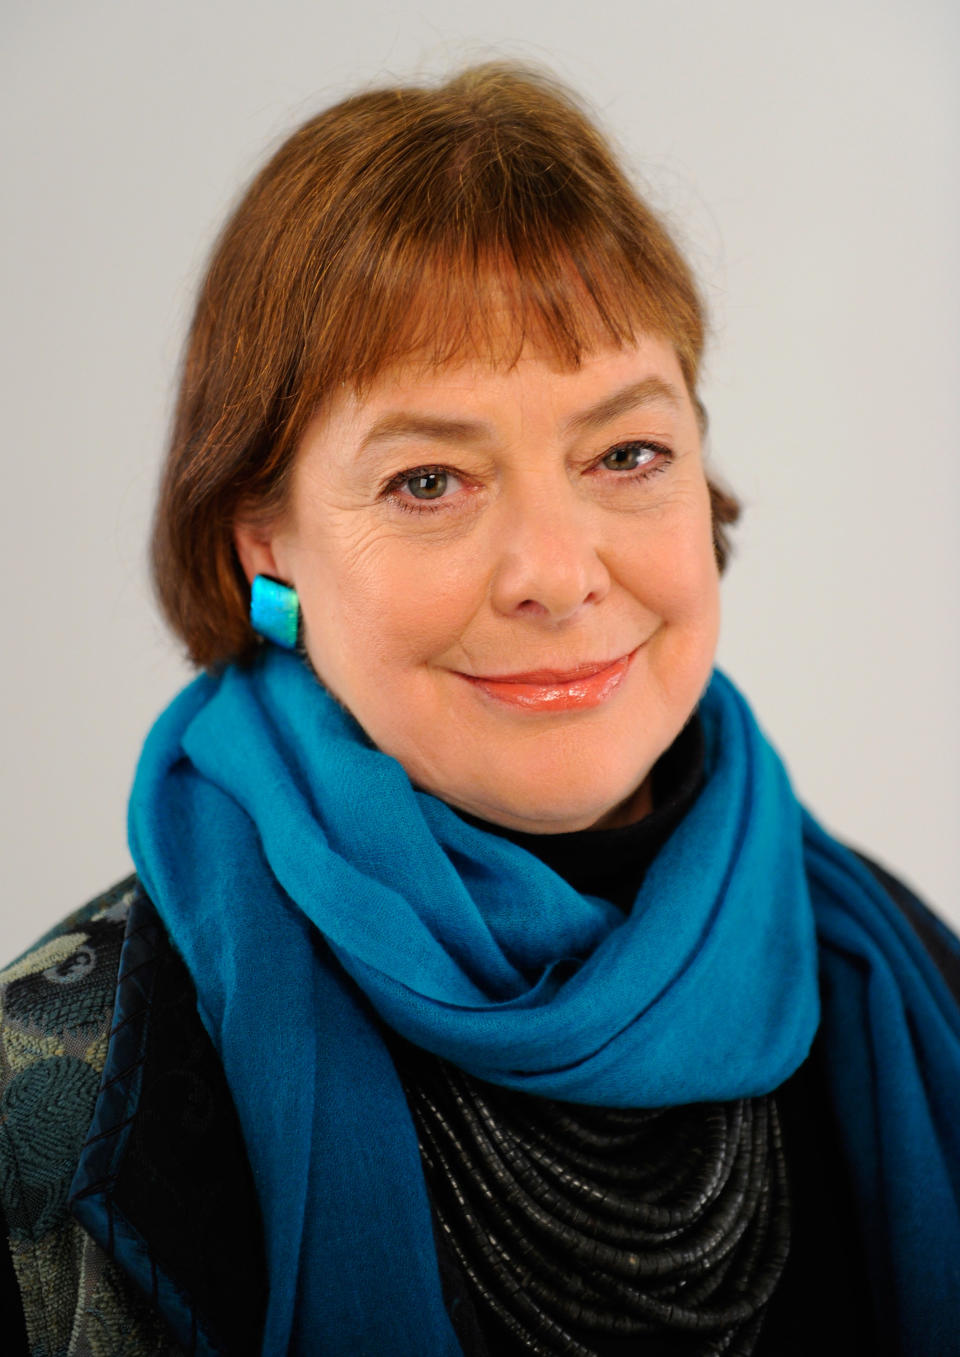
611 863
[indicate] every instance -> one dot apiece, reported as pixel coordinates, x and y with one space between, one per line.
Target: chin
555 809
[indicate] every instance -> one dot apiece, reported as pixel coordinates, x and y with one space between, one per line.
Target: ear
255 550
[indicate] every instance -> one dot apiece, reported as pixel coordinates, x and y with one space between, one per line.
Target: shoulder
56 1002
56 1014
110 908
56 1010
117 1125
937 938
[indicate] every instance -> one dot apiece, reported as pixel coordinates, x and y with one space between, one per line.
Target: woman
483 987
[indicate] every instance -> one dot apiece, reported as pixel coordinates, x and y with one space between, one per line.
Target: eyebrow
649 391
439 428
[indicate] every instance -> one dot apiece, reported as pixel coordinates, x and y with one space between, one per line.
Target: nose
548 563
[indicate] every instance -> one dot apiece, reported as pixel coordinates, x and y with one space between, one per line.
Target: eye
427 483
419 489
632 456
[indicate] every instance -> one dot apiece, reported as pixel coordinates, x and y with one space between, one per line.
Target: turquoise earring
275 611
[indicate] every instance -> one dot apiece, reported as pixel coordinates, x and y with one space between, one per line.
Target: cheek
684 593
385 604
694 582
673 568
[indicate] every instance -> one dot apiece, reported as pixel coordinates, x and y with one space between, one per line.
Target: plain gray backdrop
806 156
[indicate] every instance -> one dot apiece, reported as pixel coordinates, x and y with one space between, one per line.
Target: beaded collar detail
579 1226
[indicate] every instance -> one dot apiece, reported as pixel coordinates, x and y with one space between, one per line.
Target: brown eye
427 484
629 456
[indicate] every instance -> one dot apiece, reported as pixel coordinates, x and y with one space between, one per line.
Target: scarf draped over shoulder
316 894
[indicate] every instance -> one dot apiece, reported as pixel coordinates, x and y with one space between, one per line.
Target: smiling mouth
539 690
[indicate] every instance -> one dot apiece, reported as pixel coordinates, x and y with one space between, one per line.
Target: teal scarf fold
315 895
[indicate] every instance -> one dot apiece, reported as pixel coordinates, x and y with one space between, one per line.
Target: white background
807 157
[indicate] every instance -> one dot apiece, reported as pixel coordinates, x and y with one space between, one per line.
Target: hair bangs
454 297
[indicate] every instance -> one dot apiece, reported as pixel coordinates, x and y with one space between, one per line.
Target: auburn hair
384 228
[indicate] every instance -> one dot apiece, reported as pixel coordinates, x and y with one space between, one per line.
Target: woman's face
508 578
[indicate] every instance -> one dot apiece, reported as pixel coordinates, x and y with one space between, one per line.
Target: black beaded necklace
588 1231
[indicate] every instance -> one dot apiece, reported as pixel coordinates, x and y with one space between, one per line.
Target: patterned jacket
110 1139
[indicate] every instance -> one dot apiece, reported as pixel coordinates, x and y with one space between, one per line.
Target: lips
581 687
549 676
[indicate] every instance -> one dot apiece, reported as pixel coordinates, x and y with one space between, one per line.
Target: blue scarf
315 894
